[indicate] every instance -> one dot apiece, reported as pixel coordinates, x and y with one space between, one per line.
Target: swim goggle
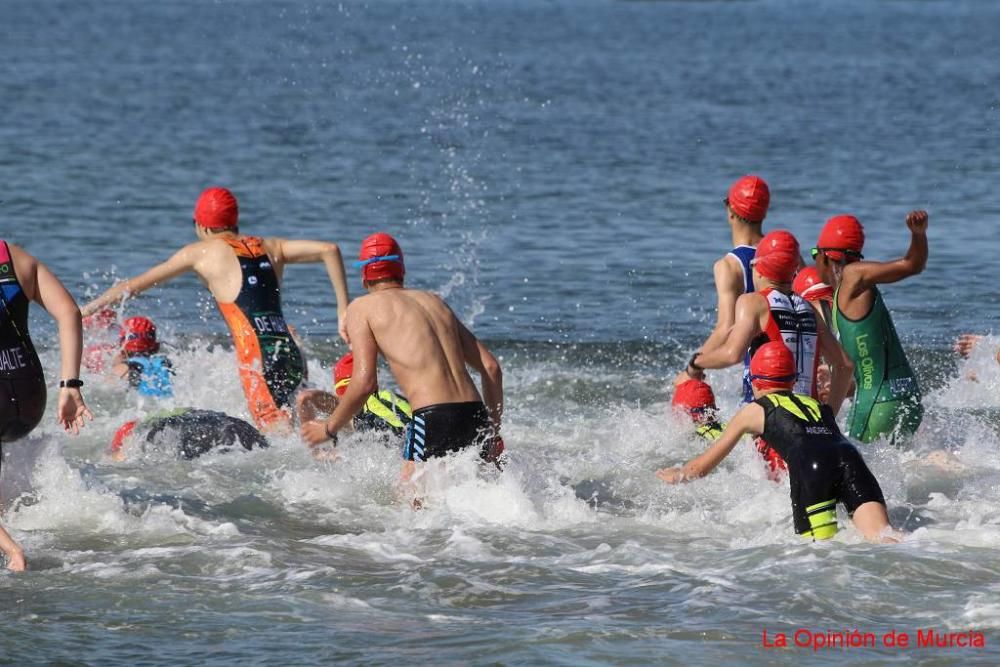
383 258
847 252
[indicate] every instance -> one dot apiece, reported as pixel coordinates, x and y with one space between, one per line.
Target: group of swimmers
778 316
428 350
781 318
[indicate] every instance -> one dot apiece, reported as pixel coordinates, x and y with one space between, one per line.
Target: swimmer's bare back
421 339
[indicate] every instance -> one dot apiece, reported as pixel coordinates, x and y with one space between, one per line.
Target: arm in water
13 551
364 379
480 358
750 419
299 252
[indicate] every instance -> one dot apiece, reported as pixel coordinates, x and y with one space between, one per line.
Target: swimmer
696 399
746 208
384 411
196 432
22 383
775 313
427 349
824 468
244 274
148 372
887 400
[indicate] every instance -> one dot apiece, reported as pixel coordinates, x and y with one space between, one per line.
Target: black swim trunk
439 429
822 476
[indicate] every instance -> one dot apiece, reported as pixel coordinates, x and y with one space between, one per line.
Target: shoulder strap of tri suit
6 264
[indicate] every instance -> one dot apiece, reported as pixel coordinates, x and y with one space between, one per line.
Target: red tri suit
270 363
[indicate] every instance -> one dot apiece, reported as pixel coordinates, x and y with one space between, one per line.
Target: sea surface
555 169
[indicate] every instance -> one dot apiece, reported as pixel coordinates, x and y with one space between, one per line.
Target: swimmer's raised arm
860 276
480 358
750 419
183 260
304 251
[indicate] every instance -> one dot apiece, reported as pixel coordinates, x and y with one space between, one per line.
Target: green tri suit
887 398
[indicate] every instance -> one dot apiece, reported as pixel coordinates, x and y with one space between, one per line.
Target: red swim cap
381 257
773 367
216 209
749 198
138 335
808 285
842 238
777 256
694 397
342 373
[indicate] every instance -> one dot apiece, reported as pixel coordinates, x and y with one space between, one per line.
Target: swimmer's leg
13 551
872 521
410 489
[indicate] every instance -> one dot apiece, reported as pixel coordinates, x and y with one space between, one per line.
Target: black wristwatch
73 383
693 365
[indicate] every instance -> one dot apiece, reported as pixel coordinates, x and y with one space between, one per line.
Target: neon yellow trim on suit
822 520
381 405
810 404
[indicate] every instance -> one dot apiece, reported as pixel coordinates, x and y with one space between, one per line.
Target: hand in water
314 433
15 562
73 413
917 221
11 549
966 343
671 475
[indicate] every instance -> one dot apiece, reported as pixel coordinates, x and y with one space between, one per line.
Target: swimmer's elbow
491 369
367 383
733 356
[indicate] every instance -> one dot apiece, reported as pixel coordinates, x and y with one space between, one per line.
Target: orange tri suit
270 363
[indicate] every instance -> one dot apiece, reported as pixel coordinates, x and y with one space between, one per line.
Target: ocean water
555 169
